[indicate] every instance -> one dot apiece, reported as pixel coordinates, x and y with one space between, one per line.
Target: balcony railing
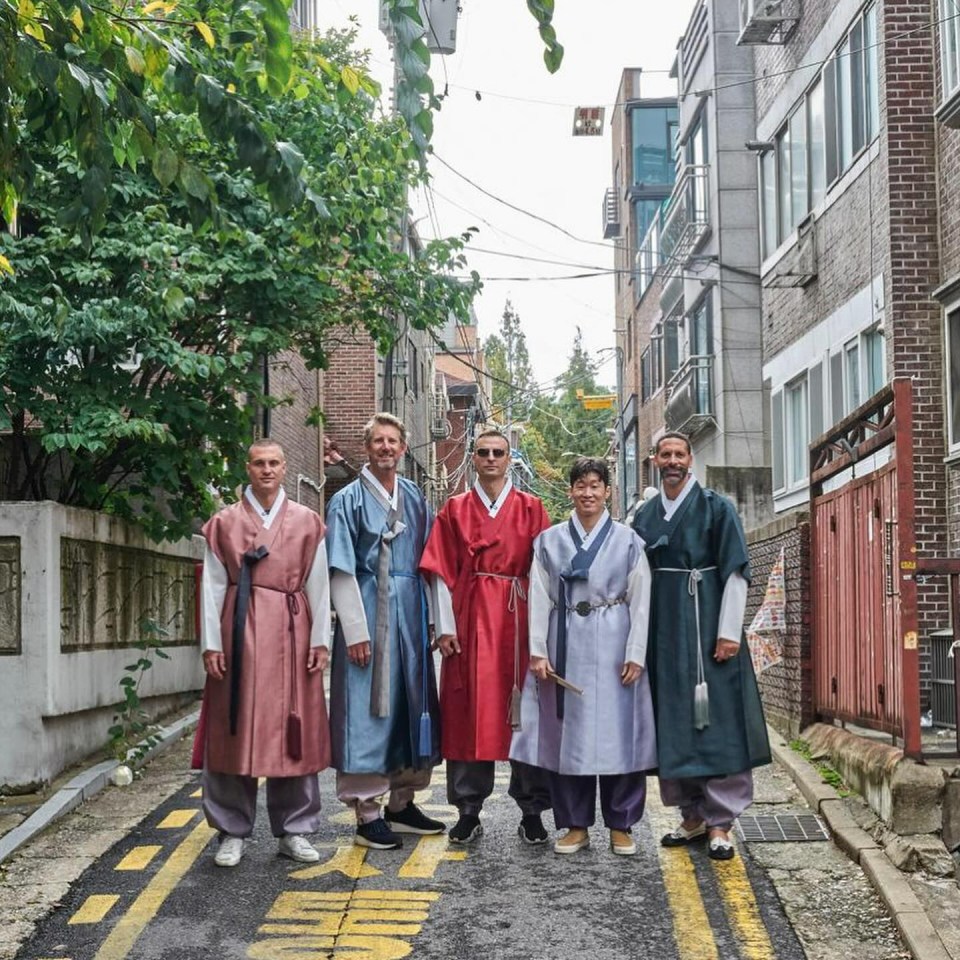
687 217
611 214
647 261
690 405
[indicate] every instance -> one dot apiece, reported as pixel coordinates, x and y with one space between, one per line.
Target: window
652 131
949 47
645 376
851 358
701 346
837 118
671 348
953 360
656 357
873 351
797 436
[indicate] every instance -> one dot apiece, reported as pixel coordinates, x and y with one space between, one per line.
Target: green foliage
827 773
508 361
132 734
132 357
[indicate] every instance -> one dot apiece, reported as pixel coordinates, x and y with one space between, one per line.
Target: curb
86 785
918 932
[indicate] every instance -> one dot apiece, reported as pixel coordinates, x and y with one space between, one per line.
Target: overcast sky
515 142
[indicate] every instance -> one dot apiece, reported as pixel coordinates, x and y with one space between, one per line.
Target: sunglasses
488 452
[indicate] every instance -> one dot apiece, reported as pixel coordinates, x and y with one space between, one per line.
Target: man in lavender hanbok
586 712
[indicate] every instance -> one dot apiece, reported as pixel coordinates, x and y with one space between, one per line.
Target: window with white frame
851 379
796 432
834 121
949 48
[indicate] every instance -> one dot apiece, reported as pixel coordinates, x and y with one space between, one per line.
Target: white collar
493 506
266 516
391 498
585 536
670 507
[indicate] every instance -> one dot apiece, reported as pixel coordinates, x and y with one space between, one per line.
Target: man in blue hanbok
589 604
384 716
710 725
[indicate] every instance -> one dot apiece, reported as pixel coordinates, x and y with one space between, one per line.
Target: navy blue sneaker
377 835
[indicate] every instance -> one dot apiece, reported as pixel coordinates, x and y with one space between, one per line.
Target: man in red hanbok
480 550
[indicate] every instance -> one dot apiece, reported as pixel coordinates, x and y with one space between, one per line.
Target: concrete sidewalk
926 912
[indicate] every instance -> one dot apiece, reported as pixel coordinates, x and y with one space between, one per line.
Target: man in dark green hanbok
710 726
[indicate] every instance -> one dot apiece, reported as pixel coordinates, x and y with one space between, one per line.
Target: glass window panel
796 428
852 377
671 348
858 98
652 130
785 201
953 346
776 417
831 115
816 148
871 59
873 350
768 177
798 164
845 118
949 47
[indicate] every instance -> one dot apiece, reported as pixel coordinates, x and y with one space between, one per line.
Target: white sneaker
298 848
230 852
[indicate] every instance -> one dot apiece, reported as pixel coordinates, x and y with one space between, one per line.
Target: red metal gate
865 657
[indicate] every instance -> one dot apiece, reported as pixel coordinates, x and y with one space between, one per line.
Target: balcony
687 217
690 405
611 214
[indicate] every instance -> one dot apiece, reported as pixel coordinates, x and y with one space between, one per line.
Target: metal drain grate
781 828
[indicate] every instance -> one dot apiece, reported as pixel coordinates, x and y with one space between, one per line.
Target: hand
215 664
448 644
540 667
359 653
630 673
725 649
317 659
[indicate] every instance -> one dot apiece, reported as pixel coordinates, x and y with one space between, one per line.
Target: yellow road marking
94 908
743 911
138 858
129 927
691 925
348 860
197 793
427 855
176 818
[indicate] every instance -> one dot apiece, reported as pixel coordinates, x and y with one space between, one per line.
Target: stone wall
74 587
786 687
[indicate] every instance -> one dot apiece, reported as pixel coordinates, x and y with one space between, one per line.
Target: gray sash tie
244 583
380 681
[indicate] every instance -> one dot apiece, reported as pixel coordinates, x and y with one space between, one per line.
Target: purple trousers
574 798
230 803
717 801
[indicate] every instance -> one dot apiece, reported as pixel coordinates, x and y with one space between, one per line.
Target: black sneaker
532 830
467 829
411 819
377 835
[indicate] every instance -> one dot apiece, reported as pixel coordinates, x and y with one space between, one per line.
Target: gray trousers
470 782
230 803
717 801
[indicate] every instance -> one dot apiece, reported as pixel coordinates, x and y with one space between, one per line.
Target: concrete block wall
59 685
787 687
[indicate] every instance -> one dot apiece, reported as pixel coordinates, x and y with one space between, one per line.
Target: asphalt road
157 895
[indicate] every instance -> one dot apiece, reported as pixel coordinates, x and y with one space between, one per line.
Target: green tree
130 358
508 360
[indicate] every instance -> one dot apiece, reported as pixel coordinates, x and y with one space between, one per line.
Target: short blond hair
384 419
265 442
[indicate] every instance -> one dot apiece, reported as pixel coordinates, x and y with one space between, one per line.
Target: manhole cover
781 828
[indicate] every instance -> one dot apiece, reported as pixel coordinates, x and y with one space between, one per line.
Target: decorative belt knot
700 701
517 593
584 608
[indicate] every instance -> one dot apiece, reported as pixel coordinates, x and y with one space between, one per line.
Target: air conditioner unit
611 214
768 21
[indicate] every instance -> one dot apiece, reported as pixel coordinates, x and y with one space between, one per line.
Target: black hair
584 465
672 435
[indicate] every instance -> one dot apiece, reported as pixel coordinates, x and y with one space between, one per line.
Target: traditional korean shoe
295 847
230 852
680 836
377 836
411 819
532 830
467 829
573 841
720 848
622 843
